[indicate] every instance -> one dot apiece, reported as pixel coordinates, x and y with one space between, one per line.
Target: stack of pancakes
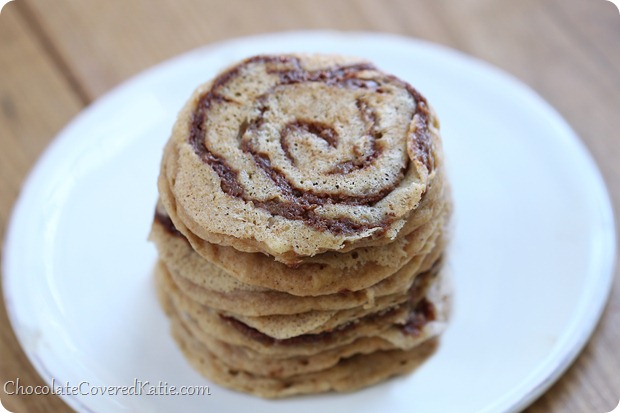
301 226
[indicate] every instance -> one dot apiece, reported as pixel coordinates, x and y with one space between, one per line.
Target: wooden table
57 56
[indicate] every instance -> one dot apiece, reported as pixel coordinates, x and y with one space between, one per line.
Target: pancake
387 324
349 367
302 154
347 375
328 273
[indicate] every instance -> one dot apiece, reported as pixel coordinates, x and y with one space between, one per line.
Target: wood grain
35 102
58 56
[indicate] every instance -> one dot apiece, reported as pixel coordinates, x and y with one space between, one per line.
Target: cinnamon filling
165 221
296 203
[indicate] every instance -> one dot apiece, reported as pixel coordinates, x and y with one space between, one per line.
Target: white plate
532 254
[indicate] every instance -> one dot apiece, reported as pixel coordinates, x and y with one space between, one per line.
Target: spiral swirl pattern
303 154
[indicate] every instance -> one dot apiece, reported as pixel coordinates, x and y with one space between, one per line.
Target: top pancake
296 155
